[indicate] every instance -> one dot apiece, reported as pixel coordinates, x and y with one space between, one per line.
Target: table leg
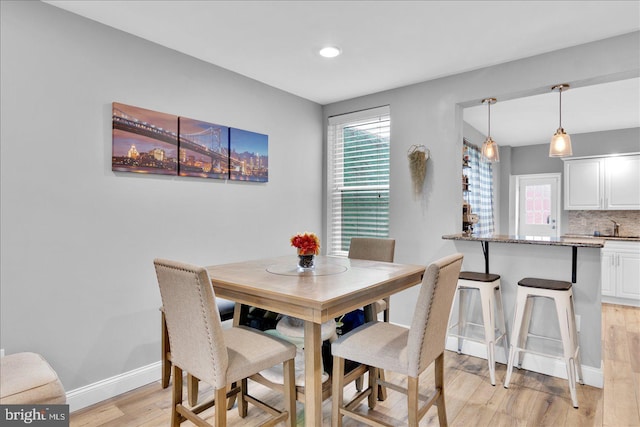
312 374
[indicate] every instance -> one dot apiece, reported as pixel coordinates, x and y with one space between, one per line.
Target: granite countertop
577 241
591 236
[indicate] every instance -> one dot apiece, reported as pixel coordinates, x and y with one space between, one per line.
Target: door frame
514 199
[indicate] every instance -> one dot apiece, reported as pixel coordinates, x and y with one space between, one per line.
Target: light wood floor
531 400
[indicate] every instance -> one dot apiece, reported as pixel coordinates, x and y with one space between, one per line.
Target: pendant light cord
560 91
489 120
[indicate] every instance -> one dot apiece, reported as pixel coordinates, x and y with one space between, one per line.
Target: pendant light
560 142
489 146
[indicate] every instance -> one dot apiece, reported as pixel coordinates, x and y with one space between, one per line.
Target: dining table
335 286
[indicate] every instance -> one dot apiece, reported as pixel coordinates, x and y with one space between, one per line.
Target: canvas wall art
144 141
203 149
248 156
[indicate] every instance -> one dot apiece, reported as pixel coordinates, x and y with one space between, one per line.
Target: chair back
372 249
429 325
193 321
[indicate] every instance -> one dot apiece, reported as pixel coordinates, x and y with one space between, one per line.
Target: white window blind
358 187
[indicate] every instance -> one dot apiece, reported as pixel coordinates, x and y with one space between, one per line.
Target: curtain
480 194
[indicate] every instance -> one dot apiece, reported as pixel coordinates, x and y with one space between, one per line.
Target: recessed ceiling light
330 52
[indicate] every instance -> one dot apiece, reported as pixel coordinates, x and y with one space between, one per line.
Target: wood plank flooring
531 400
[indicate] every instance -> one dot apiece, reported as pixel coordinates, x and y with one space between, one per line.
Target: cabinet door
622 182
583 182
628 275
608 271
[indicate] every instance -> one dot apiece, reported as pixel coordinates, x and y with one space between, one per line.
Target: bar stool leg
526 323
463 307
564 311
501 322
489 321
576 341
521 302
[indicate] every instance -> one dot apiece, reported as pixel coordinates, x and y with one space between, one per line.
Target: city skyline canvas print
248 156
144 141
203 149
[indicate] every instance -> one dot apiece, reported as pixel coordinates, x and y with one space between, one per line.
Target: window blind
358 187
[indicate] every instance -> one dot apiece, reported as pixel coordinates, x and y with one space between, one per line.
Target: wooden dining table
336 286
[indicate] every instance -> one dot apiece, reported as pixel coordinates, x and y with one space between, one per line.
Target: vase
306 262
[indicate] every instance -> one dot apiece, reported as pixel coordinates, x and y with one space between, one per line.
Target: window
480 194
358 187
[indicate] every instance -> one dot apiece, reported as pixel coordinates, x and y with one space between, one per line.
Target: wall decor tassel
418 156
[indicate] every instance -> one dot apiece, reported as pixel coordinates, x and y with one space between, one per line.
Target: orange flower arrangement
307 243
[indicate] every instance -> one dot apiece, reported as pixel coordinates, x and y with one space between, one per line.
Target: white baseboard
111 387
532 362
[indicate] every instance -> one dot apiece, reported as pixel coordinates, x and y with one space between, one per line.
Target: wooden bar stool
562 294
488 286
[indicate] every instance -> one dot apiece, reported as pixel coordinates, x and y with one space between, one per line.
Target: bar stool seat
488 286
562 294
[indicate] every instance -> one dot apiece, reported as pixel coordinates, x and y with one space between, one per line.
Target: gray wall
430 113
78 240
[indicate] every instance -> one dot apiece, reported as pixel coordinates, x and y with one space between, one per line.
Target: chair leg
385 313
192 389
382 390
221 410
242 402
290 391
176 396
524 332
373 385
337 391
412 401
439 380
166 349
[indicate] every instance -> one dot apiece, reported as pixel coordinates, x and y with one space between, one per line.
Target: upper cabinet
602 183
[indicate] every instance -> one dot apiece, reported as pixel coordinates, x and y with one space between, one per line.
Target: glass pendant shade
489 146
560 144
490 150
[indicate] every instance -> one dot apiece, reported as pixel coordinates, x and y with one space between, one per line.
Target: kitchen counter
591 236
569 240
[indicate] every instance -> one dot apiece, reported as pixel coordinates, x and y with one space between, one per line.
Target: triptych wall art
146 141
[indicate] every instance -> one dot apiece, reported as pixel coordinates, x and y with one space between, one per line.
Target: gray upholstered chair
374 249
217 356
226 309
408 351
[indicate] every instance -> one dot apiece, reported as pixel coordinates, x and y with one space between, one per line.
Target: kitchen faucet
616 228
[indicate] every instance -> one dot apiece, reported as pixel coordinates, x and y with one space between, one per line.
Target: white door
538 208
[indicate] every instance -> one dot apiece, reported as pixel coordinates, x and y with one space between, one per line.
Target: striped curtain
480 194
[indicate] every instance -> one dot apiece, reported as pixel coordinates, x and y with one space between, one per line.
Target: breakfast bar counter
575 259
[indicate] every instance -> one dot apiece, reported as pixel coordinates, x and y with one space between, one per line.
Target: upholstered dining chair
226 309
220 357
407 351
374 249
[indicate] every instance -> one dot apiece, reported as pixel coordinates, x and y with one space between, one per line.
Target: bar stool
492 313
562 294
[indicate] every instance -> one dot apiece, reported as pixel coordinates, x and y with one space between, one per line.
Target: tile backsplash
586 222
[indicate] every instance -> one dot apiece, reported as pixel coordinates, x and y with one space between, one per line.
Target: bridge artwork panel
147 141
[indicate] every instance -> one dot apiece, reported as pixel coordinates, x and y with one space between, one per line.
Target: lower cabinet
620 262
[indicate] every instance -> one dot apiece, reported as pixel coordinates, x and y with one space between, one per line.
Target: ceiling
389 44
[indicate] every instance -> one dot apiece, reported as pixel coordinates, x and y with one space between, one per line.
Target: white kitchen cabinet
602 183
620 262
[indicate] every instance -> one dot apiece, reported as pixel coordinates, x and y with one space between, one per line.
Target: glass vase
306 262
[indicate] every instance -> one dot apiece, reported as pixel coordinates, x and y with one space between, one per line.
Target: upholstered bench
26 378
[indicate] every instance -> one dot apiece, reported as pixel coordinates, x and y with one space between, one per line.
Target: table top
338 285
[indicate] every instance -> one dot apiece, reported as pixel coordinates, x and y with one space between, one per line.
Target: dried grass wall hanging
418 156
